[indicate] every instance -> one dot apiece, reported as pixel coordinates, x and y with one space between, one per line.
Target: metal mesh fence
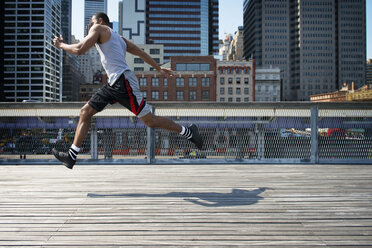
259 132
345 134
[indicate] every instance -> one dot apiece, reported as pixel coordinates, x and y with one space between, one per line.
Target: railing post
93 140
151 141
259 130
314 152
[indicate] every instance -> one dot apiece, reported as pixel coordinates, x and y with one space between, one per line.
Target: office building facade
318 45
369 72
185 28
71 77
91 7
132 20
33 66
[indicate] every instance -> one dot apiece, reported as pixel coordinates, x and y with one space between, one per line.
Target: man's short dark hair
102 15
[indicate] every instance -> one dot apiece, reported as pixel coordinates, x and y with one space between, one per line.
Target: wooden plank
186 205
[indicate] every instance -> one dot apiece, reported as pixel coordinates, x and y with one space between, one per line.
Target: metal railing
285 132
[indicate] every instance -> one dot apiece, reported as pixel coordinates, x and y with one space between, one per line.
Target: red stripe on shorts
131 97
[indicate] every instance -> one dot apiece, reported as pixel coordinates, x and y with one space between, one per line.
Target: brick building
194 80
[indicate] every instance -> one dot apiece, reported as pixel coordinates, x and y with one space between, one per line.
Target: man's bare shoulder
99 28
103 32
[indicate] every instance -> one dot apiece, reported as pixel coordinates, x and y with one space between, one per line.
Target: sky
230 17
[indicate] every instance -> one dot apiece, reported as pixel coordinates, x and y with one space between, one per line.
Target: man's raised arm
135 50
83 46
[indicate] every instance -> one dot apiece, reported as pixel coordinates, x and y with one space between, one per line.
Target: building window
266 88
192 95
238 99
205 67
143 82
205 82
144 94
180 67
138 61
139 69
192 82
154 51
222 91
230 80
230 90
165 95
246 99
222 99
259 88
222 81
246 91
246 80
230 99
155 82
205 95
238 91
180 82
238 80
165 82
180 95
192 67
155 95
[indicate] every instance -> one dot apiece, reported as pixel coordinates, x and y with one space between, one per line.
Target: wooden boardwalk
186 206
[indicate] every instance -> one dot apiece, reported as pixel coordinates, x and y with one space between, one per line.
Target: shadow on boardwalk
237 197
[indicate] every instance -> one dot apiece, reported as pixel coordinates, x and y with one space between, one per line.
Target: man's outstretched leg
191 132
69 159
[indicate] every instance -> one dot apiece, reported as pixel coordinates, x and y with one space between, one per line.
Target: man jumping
122 85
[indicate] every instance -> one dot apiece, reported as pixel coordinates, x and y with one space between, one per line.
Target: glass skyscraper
318 45
91 7
185 28
32 69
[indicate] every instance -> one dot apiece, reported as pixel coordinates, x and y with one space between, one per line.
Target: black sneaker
64 158
196 138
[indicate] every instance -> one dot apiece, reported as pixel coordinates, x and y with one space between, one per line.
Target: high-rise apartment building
318 45
185 28
33 66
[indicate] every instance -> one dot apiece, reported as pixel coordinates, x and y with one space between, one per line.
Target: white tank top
112 54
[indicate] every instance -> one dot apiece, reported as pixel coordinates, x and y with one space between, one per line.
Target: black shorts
125 91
